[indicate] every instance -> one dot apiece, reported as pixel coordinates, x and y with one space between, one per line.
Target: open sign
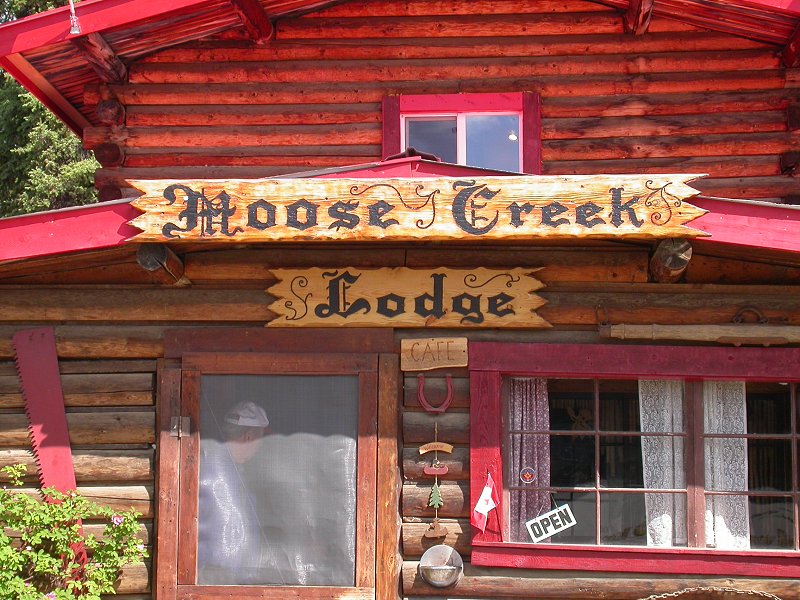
549 523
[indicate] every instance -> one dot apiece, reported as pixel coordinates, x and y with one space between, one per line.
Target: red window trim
529 103
490 361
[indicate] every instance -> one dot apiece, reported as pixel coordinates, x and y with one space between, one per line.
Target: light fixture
74 24
512 136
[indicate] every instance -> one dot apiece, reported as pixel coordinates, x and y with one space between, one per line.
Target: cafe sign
403 297
476 208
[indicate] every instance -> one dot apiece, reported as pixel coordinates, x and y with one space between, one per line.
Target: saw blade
37 366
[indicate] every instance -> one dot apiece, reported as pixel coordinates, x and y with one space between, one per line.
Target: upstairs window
489 131
673 460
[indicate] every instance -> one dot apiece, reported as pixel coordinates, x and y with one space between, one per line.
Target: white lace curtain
727 517
661 411
528 410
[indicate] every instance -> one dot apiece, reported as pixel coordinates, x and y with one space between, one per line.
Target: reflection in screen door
277 480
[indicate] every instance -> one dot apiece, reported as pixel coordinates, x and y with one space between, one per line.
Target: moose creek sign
509 208
403 297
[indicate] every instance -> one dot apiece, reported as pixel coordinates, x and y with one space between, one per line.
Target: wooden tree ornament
435 501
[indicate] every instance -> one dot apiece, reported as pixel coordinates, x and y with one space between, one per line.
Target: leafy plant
45 555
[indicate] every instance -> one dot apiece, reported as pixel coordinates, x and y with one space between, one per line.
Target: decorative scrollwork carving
430 199
471 279
301 282
660 198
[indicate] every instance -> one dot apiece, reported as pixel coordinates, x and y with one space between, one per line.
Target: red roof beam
95 16
97 52
255 19
637 17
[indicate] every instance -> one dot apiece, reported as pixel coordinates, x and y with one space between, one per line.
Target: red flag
488 501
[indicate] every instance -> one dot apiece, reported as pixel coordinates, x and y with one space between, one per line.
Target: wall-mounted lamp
74 24
512 136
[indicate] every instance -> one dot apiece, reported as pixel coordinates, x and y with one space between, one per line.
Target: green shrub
38 542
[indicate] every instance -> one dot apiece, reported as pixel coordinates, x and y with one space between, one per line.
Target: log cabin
578 378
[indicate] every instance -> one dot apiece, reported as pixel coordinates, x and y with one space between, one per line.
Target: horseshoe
424 402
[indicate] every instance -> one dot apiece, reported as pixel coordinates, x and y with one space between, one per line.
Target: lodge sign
403 297
518 207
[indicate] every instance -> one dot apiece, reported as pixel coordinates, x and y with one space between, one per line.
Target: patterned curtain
528 410
727 517
661 411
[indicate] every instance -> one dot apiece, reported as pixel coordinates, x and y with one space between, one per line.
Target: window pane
434 135
619 405
621 462
571 404
771 523
666 520
769 465
493 141
572 460
768 408
583 509
623 519
277 501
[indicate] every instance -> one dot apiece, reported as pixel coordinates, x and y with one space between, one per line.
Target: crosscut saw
37 366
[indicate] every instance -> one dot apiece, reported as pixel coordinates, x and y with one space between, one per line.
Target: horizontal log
220 116
715 166
93 366
647 147
555 264
255 265
267 135
118 498
622 105
749 187
93 464
90 383
90 341
408 8
708 269
436 390
135 579
145 533
460 26
87 428
415 497
457 464
459 536
453 68
347 93
520 583
126 305
683 125
281 164
418 427
448 48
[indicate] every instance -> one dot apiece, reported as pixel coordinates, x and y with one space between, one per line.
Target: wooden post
670 260
96 50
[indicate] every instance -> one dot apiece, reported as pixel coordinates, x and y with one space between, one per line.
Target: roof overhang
731 224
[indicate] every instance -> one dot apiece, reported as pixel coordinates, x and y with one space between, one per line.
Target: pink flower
50 595
117 520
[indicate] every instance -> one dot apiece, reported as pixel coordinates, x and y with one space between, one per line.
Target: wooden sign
404 297
433 353
437 447
508 208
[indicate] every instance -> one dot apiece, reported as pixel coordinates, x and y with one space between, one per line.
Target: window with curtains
500 131
677 467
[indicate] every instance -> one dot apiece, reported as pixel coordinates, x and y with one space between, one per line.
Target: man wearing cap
229 531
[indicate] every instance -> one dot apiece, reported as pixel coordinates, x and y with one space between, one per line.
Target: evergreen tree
42 163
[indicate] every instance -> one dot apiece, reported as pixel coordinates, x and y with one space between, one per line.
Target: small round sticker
527 475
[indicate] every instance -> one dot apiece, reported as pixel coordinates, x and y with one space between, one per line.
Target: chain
712 589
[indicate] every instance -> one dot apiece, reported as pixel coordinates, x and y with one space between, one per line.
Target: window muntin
618 452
